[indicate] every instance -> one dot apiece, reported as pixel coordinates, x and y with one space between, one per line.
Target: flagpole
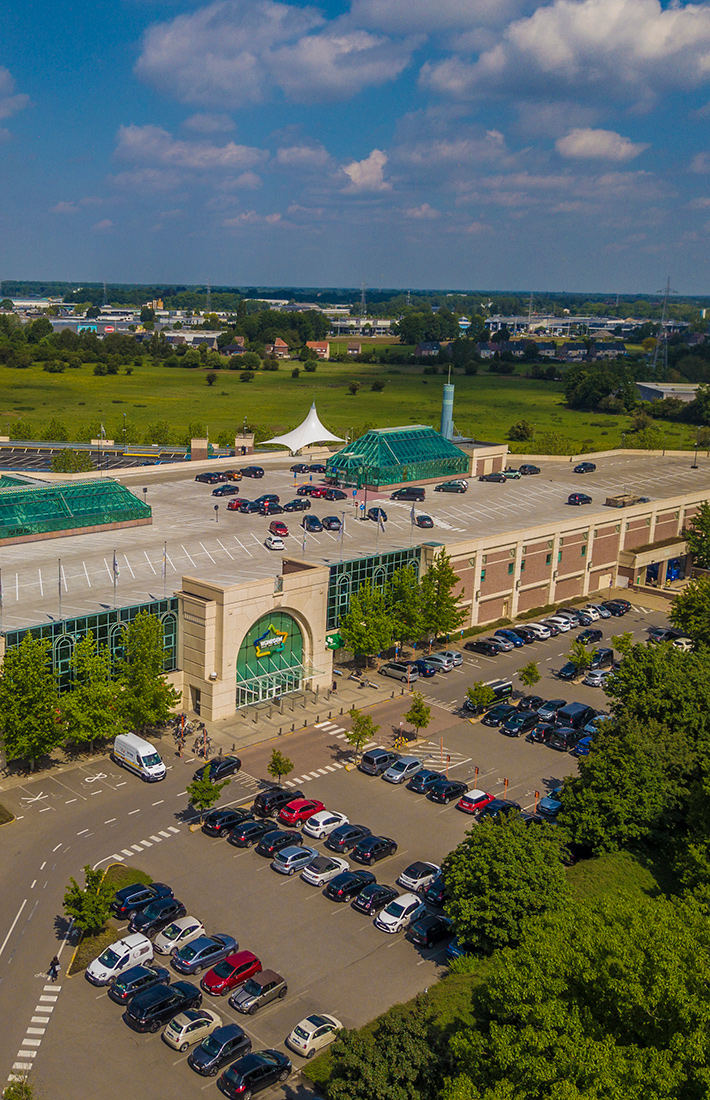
1 601
115 577
377 535
165 559
59 571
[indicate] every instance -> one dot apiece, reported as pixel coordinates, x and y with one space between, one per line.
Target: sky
489 144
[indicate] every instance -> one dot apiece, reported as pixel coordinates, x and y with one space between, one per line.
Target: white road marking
156 839
166 835
136 847
12 926
57 846
119 859
35 1031
131 812
146 844
127 851
172 829
43 865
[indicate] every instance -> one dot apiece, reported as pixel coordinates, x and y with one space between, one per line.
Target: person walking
54 968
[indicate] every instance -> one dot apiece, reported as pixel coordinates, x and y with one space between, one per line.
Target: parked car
258 991
579 498
299 468
559 622
272 800
540 630
273 542
133 899
400 913
313 1034
225 491
423 780
473 801
252 471
225 1044
591 634
418 875
335 494
153 1009
331 523
409 492
429 930
582 747
176 935
293 858
456 948
374 897
576 715
254 1072
322 869
135 980
399 670
519 723
452 655
211 477
527 468
617 608
230 973
435 892
552 627
235 504
493 477
600 610
157 916
446 790
441 662
272 842
511 474
317 468
300 504
540 734
486 647
377 761
221 822
423 667
249 833
498 714
584 468
324 823
221 767
530 702
346 837
457 485
563 738
347 885
569 671
423 521
509 636
597 677
547 711
402 770
299 810
232 475
377 515
311 524
371 849
528 636
190 1027
204 952
496 806
550 806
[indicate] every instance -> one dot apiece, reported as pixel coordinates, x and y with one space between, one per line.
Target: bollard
317 719
341 710
293 727
280 731
330 714
392 695
233 746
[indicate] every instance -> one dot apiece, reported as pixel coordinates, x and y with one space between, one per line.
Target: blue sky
502 144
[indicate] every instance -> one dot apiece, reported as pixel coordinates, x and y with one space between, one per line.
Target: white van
130 951
138 756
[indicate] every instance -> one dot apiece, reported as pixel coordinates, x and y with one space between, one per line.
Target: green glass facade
106 627
270 661
389 456
347 576
28 510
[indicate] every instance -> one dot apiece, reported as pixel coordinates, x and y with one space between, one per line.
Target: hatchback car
331 523
230 973
177 934
579 498
277 839
377 515
547 711
509 636
190 1027
377 761
453 655
424 668
135 980
311 524
249 833
322 869
211 478
399 670
203 953
473 801
519 723
300 504
560 622
424 780
597 677
157 916
418 875
346 837
617 608
371 849
540 734
440 662
496 806
498 714
279 528
582 747
254 1072
258 991
501 478
235 504
251 471
487 647
221 822
550 806
584 468
527 635
273 542
299 468
429 930
511 474
346 886
324 823
402 769
425 522
400 913
591 634
335 494
150 1010
528 468
133 899
530 702
225 1044
374 897
268 508
293 858
299 810
569 671
312 1034
219 768
446 790
455 486
272 800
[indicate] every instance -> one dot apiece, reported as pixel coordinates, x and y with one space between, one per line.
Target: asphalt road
333 959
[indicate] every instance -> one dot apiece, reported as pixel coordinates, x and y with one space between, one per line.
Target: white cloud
629 50
303 155
103 225
157 146
75 207
700 163
209 124
146 180
250 217
10 102
425 212
480 147
701 203
233 52
368 174
410 16
587 144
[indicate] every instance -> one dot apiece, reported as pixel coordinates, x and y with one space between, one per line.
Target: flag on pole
116 570
411 515
380 522
165 560
0 589
303 544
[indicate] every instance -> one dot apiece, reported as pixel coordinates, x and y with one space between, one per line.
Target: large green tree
397 1060
697 535
92 708
30 718
503 875
403 599
363 729
72 462
367 627
441 613
690 610
88 906
147 697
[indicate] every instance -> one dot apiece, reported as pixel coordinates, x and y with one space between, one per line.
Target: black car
211 478
268 508
602 658
316 468
498 714
568 671
579 498
331 523
299 468
527 635
446 790
564 738
311 524
249 833
254 1072
493 477
272 842
224 1044
248 507
433 894
374 897
348 884
251 471
540 734
425 522
221 822
219 768
225 491
134 899
497 806
617 607
272 801
373 848
300 504
585 468
423 780
519 723
157 916
531 702
409 492
590 635
377 514
429 930
268 498
137 979
528 468
150 1010
458 485
335 494
488 649
346 837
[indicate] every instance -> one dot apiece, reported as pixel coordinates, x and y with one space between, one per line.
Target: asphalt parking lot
228 547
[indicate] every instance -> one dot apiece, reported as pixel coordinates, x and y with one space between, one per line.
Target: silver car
597 677
264 987
441 662
454 656
323 868
292 859
403 769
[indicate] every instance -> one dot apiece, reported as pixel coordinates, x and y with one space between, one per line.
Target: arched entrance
270 661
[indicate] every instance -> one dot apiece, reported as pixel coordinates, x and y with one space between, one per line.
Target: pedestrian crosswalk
443 704
139 846
46 1003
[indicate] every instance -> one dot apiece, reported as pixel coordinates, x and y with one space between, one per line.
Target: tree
529 675
367 627
623 643
295 372
92 708
580 657
202 793
502 876
246 376
147 697
147 314
397 1060
353 388
404 603
30 718
19 1089
363 729
6 304
89 907
72 462
521 431
440 608
419 714
480 696
279 765
210 378
690 610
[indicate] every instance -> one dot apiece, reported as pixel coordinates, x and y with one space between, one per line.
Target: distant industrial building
657 391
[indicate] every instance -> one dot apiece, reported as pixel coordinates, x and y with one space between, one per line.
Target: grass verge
5 815
90 947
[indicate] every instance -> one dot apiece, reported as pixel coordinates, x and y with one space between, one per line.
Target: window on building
584 551
511 568
483 574
548 559
522 565
559 556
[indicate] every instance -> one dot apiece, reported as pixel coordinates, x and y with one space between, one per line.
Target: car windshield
300 1032
211 1046
109 958
399 766
223 969
394 909
252 988
151 760
172 932
153 910
188 952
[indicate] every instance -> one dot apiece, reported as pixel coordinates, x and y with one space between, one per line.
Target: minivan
411 492
377 761
399 671
563 738
270 802
139 756
575 715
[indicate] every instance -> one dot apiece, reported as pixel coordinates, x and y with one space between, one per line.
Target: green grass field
485 405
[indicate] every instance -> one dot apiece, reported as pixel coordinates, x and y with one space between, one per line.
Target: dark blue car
423 667
511 636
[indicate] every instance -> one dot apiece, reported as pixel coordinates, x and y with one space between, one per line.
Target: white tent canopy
310 431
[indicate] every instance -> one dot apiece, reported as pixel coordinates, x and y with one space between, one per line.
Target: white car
400 913
539 629
130 951
418 875
312 1034
323 823
560 622
189 1027
177 934
273 542
684 644
323 868
597 677
592 610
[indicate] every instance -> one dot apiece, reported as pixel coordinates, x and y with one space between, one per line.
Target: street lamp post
695 460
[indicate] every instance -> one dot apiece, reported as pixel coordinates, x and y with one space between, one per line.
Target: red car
235 504
473 801
276 527
230 973
298 811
